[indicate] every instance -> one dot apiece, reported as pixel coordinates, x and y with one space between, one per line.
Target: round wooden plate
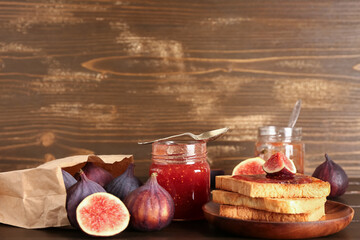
337 217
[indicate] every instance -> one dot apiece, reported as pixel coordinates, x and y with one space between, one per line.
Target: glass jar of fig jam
184 172
272 139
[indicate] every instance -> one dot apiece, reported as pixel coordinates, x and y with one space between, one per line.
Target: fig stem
83 175
327 157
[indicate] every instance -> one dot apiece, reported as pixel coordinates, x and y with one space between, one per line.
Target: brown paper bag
36 197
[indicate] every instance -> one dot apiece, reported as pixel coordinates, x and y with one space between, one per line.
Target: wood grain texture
191 229
80 77
337 217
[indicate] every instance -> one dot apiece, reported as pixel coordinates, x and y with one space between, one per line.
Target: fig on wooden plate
249 166
333 173
279 166
124 184
76 193
69 180
151 207
97 174
102 214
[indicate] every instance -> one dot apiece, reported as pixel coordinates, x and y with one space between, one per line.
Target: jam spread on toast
261 178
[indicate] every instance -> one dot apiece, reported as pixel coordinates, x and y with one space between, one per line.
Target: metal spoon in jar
206 136
295 114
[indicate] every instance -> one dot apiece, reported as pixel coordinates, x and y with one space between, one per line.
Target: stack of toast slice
254 197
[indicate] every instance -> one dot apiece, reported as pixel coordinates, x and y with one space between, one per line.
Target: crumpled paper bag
36 197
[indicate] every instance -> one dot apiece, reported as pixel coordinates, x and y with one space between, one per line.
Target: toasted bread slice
279 205
245 213
259 186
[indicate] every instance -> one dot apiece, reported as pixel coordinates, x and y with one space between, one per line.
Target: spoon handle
295 114
165 138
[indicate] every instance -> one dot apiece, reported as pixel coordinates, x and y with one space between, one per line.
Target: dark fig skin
331 172
124 184
69 180
76 193
151 207
284 174
97 174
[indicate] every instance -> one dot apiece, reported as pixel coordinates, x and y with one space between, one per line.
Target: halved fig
102 214
279 163
249 166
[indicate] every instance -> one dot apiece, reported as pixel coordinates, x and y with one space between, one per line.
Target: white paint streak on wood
60 75
17 48
54 12
60 80
315 91
100 114
300 64
205 102
149 46
354 183
352 192
221 22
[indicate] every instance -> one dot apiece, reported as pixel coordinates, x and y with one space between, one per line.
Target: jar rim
179 149
279 131
179 142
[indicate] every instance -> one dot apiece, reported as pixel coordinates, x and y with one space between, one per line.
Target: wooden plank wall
84 76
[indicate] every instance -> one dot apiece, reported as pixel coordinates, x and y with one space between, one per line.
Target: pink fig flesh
279 163
76 193
102 214
250 166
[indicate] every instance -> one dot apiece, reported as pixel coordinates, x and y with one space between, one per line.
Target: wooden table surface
96 76
185 230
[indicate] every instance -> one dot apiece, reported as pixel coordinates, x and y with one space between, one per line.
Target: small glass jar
184 172
272 139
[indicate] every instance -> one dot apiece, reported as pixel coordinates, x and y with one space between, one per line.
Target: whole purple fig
124 184
76 193
331 172
97 174
151 207
69 180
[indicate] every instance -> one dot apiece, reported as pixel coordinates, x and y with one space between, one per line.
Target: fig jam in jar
184 172
273 139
